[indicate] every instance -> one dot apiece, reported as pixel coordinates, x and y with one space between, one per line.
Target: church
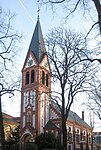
38 113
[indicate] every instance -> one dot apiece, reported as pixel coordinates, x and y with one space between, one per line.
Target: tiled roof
37 45
73 116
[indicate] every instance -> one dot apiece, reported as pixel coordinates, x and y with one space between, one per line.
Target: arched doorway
28 138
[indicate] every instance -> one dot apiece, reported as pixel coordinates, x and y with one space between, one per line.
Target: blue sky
26 17
25 21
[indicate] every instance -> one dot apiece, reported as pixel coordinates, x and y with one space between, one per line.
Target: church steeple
37 45
36 87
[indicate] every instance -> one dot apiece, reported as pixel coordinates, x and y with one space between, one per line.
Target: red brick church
38 113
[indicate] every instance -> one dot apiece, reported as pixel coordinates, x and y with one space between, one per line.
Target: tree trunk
64 129
2 139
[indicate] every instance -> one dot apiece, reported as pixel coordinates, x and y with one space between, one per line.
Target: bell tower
36 87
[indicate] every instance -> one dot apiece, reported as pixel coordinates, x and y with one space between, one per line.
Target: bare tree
8 84
86 5
72 75
94 99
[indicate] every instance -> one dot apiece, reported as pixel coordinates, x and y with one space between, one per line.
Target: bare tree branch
9 39
72 6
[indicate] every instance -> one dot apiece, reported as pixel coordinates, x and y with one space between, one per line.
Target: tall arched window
46 79
43 77
29 117
27 77
32 76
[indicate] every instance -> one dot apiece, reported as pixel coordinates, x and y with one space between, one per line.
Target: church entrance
28 139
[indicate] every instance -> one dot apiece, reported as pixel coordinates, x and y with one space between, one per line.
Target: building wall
78 136
10 123
76 139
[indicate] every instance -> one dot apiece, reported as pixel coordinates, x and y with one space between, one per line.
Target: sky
26 17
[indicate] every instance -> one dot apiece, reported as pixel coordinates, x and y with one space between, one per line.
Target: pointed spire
37 45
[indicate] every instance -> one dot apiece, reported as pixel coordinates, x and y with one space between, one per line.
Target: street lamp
2 140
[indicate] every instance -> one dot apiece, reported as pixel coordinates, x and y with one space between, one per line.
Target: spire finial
38 9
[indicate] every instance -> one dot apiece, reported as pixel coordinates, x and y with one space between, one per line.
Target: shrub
47 140
30 146
12 146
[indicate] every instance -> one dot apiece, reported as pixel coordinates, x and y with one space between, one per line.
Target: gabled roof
74 117
37 45
50 125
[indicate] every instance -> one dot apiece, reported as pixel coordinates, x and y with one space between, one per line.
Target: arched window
27 77
43 77
46 79
78 135
32 76
69 134
69 129
29 117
